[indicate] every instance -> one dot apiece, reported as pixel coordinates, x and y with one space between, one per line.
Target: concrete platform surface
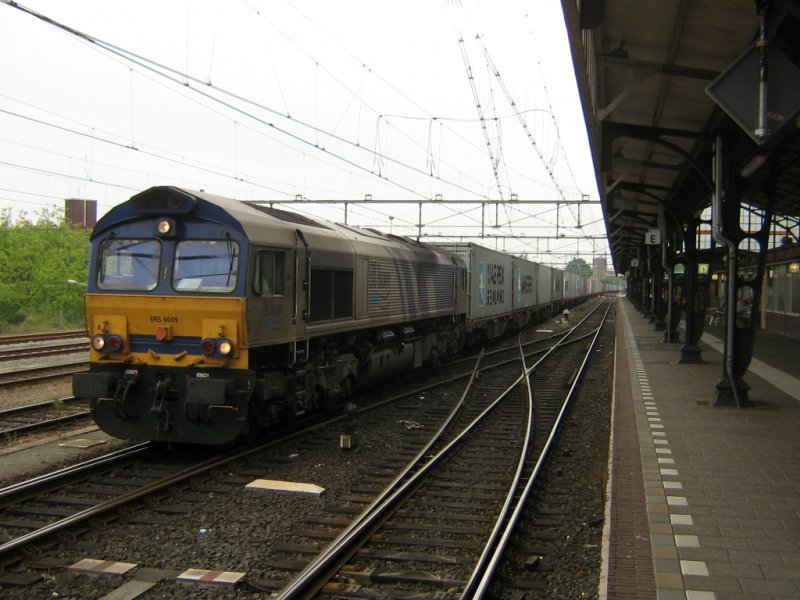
718 496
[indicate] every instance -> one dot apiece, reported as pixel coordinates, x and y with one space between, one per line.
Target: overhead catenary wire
320 66
434 165
380 163
185 80
549 165
481 116
521 120
369 69
96 41
559 144
508 168
155 152
140 150
65 175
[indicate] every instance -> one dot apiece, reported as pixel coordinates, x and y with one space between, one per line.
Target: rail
323 567
11 415
479 582
41 337
39 351
39 374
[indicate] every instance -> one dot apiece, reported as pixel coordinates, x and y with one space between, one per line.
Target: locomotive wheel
434 360
253 430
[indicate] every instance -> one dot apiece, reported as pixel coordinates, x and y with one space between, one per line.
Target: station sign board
652 237
736 89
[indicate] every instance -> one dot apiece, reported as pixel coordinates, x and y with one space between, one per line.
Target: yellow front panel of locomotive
154 328
109 324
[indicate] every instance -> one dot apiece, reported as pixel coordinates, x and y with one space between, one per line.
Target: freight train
213 320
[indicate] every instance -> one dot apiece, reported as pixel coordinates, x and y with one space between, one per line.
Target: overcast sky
279 99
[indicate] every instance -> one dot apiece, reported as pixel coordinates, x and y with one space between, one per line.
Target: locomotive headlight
107 343
208 346
216 347
98 342
164 226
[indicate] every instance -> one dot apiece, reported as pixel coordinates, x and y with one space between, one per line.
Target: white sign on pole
652 237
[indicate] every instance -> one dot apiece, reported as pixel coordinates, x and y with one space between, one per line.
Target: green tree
579 266
36 259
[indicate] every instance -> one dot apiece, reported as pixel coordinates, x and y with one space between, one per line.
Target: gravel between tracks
22 395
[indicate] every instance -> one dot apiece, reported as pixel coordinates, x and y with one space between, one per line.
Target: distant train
212 319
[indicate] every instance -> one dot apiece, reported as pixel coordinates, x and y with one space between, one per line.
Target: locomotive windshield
206 265
200 265
129 264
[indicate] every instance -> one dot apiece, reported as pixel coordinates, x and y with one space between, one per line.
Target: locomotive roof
260 223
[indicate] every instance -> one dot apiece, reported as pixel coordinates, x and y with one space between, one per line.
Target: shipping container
572 286
525 273
491 285
558 285
544 285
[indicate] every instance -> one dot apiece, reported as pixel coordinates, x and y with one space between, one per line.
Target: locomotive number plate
163 319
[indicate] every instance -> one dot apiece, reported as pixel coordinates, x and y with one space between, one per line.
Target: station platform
704 501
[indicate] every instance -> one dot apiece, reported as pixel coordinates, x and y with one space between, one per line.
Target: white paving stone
676 519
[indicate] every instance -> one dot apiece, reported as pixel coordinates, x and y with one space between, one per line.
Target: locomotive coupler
124 384
163 386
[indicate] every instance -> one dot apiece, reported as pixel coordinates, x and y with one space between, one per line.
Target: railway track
34 510
33 375
7 340
46 497
43 415
40 507
445 521
40 351
89 502
31 370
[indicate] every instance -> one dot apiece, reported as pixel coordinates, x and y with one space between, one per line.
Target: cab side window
268 276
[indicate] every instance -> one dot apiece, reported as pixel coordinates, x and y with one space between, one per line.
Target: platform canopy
658 80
